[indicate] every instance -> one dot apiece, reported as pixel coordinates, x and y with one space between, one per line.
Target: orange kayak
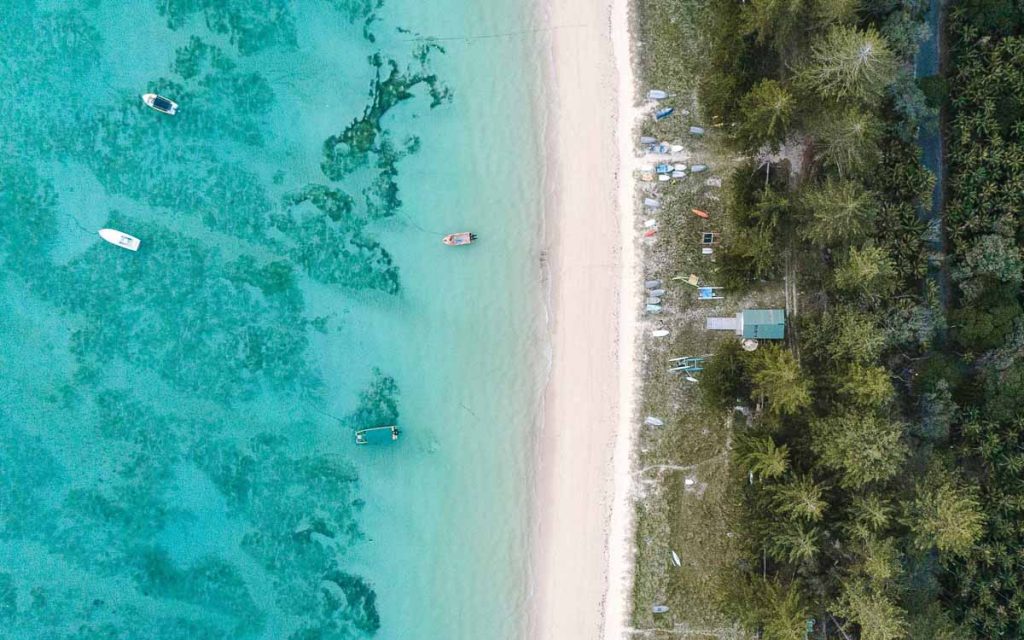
699 213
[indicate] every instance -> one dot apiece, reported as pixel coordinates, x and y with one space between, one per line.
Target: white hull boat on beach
160 103
121 239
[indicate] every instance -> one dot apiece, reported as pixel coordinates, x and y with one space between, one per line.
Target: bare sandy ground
583 538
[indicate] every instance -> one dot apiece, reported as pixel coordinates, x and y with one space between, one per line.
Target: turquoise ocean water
176 450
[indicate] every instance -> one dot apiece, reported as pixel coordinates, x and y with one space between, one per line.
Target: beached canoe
675 559
651 421
700 214
661 114
459 239
659 608
657 94
660 333
652 284
121 239
699 168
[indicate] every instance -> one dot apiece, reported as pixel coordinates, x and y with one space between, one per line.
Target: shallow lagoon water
176 424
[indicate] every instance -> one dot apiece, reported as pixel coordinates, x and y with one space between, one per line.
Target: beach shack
753 324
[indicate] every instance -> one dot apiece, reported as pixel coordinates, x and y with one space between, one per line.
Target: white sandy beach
583 535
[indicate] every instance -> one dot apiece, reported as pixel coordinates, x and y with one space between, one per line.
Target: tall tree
867 273
945 513
848 139
762 457
765 116
800 498
841 211
878 616
861 448
776 375
849 63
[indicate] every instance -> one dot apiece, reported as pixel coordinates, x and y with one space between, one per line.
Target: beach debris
657 94
709 293
652 284
654 300
700 214
660 333
698 168
653 308
659 608
652 203
696 131
713 182
650 222
651 421
656 292
675 559
661 114
692 279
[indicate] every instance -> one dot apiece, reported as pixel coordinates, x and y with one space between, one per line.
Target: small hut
753 324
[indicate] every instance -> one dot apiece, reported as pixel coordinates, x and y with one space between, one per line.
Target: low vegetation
866 472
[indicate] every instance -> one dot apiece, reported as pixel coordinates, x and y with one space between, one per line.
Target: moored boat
377 435
459 239
121 239
160 103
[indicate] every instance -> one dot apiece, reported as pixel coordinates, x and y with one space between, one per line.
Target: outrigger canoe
377 435
459 239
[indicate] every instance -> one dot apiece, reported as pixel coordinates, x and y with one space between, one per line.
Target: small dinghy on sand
121 239
160 103
459 239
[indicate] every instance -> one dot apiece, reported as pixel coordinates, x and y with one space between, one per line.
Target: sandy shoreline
583 540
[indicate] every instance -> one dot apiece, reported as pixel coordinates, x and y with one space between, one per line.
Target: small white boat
651 421
650 222
160 103
675 559
657 94
121 239
679 167
659 608
699 168
659 333
459 239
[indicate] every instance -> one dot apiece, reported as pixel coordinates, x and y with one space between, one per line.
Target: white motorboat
160 103
123 240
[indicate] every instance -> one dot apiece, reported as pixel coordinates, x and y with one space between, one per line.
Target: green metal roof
764 324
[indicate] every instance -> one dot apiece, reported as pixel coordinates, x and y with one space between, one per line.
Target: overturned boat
160 103
121 239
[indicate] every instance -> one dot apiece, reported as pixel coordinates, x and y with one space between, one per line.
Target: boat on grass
121 239
459 239
377 435
160 103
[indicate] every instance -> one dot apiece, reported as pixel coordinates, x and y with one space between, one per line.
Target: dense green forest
883 464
